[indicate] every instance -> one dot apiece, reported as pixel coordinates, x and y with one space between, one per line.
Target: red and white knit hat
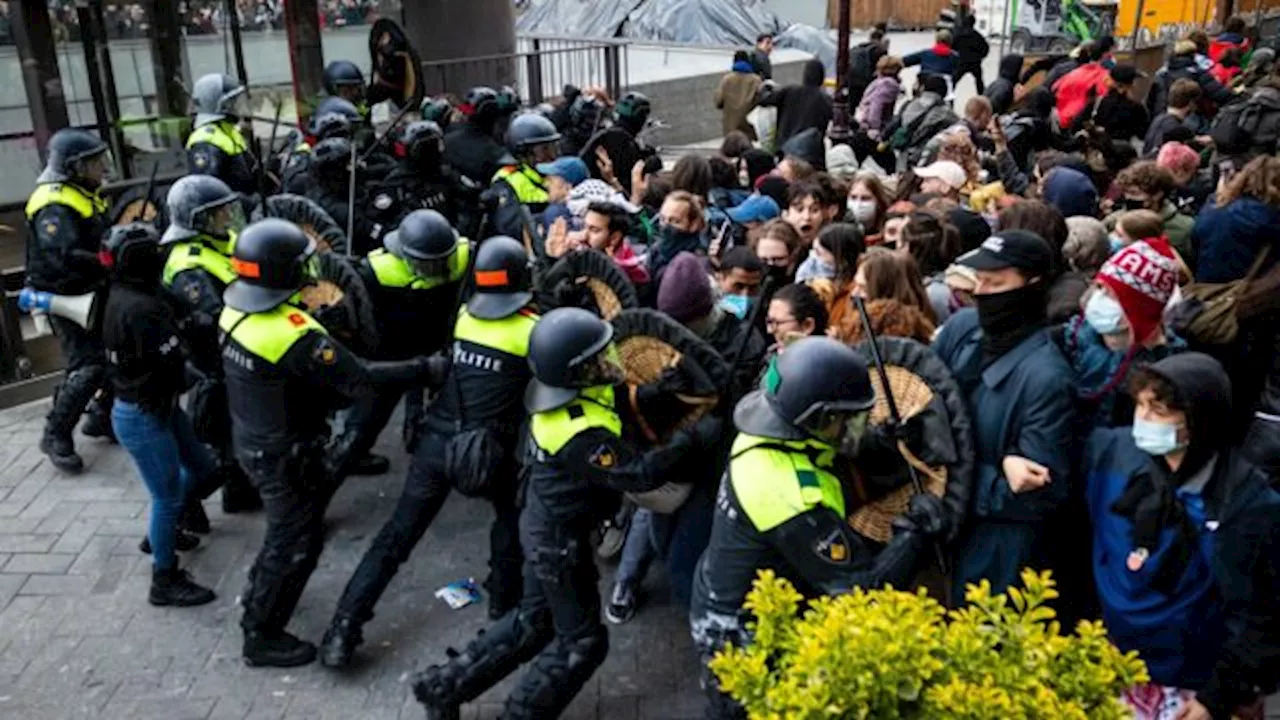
1142 276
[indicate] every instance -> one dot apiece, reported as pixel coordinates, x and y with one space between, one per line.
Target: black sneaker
622 604
175 587
62 453
340 643
279 649
184 542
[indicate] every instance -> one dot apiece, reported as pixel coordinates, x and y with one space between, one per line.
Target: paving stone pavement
78 639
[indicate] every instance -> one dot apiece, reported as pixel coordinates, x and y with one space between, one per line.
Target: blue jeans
170 460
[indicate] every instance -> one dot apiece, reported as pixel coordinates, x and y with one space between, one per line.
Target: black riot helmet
202 205
423 143
273 260
438 110
70 150
331 159
585 116
570 350
331 125
341 106
632 112
342 78
218 97
481 106
508 100
502 279
132 253
528 131
818 387
425 240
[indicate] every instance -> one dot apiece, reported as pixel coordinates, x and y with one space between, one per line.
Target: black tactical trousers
294 490
426 487
86 374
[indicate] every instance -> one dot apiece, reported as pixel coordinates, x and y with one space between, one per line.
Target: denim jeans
170 460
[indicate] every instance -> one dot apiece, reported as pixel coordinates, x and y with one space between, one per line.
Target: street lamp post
840 131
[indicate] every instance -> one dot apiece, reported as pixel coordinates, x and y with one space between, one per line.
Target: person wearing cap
1120 327
1117 112
1020 396
581 458
469 442
410 279
1185 528
754 212
285 376
561 176
782 503
943 178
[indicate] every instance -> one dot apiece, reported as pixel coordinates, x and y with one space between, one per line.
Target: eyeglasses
774 324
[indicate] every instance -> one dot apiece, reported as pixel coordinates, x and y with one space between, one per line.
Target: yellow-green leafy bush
891 654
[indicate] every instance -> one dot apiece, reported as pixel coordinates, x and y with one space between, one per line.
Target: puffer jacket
1000 91
876 107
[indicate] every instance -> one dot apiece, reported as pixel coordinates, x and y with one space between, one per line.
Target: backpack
1246 128
860 66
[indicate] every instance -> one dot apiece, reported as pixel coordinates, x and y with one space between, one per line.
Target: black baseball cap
1124 74
1020 249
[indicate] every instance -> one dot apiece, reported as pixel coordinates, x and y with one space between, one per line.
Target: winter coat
1177 227
1121 116
970 47
800 106
1077 89
1186 66
762 64
1000 91
937 60
1021 404
736 98
920 120
1228 239
1162 125
888 317
876 107
1225 42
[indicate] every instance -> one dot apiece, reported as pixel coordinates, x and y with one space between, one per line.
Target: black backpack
1251 127
860 65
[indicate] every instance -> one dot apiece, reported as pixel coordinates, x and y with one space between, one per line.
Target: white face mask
864 211
1104 314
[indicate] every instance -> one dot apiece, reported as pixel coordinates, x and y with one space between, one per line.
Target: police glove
432 369
885 437
332 317
925 516
687 378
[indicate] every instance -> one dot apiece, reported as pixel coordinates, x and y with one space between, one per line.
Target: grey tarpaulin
701 22
810 39
573 18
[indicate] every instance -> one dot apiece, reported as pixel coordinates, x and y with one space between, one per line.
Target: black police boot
501 601
61 451
340 643
426 689
238 496
194 519
97 422
184 542
276 649
175 587
368 465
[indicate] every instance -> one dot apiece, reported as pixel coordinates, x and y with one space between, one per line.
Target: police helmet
331 157
273 260
217 97
481 105
818 387
423 143
529 130
341 106
570 350
508 100
132 251
331 125
438 110
633 109
502 279
425 240
341 74
202 205
585 114
69 149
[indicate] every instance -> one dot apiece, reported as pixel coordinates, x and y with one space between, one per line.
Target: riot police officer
296 177
420 181
579 459
585 118
330 188
411 281
65 218
204 217
621 141
284 376
782 504
472 147
343 79
469 443
217 146
519 189
508 105
439 111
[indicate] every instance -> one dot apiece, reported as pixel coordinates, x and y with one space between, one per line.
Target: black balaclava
1010 317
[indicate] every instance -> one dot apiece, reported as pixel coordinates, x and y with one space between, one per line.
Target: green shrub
890 654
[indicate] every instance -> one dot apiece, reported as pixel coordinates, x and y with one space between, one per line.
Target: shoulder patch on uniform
51 226
297 319
325 353
201 159
575 412
834 548
603 457
193 292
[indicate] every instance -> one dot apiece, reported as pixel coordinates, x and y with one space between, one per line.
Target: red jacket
1073 90
1223 43
1224 74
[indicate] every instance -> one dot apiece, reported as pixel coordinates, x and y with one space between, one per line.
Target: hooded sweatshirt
937 60
1000 91
1071 192
801 106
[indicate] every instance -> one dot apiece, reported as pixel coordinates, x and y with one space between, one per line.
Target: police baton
351 202
151 186
269 150
894 416
377 141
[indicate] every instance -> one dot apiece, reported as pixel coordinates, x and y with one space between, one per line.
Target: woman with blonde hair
1239 223
868 205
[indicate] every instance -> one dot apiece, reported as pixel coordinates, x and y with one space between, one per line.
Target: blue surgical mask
736 304
1104 314
1156 438
1116 242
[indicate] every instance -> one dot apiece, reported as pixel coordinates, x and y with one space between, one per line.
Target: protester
736 96
896 303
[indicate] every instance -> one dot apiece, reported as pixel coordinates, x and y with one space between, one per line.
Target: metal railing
538 70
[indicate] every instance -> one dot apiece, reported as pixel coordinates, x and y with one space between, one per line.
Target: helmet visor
236 103
435 268
220 219
834 423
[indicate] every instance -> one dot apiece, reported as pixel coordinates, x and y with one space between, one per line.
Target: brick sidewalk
78 639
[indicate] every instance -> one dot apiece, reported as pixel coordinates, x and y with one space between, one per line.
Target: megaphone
79 309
